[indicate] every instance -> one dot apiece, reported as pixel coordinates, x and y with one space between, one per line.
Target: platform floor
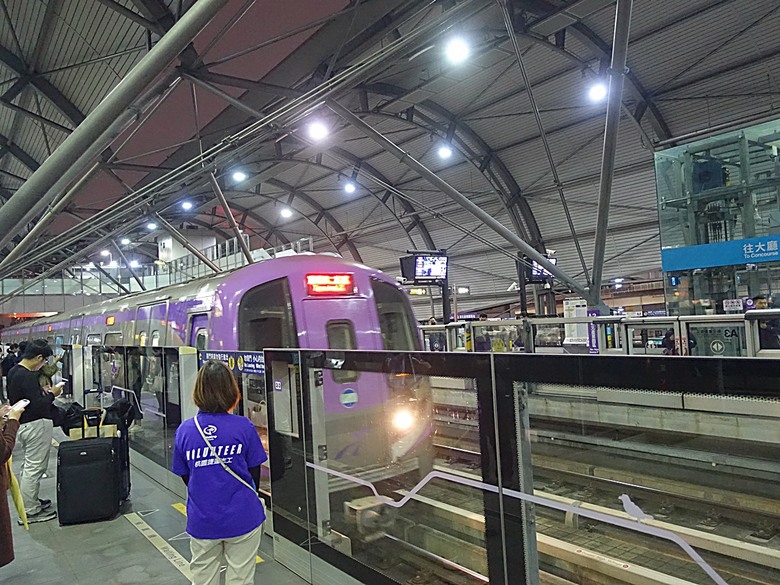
119 552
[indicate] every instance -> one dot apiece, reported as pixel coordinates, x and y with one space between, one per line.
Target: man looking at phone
35 431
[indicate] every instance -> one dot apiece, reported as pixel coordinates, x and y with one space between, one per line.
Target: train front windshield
396 321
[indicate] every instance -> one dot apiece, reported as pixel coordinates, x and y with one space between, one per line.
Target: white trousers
237 553
35 438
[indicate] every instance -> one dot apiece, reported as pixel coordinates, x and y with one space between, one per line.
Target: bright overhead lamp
597 92
457 50
286 212
125 241
151 226
134 264
112 264
186 205
105 253
239 176
445 151
318 131
349 187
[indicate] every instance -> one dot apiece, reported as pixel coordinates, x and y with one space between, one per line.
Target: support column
456 196
232 220
179 237
38 191
614 100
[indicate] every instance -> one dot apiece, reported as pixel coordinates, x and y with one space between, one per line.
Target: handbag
226 467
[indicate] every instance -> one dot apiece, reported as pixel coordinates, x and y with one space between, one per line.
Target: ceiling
241 97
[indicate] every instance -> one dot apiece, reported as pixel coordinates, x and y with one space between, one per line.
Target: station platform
146 543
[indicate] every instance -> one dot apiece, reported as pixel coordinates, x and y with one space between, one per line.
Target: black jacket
22 383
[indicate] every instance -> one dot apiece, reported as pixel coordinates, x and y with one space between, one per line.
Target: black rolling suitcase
89 479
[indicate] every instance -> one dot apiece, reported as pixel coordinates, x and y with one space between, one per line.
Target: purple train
306 301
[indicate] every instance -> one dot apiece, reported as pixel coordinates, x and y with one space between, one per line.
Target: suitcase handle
99 425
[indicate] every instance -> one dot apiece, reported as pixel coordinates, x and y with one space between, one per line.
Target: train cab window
395 317
94 339
266 317
142 338
201 338
341 335
155 338
113 339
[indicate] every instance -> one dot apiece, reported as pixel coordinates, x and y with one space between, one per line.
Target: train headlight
403 420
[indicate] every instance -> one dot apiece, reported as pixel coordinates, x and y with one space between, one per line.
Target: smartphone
60 384
19 406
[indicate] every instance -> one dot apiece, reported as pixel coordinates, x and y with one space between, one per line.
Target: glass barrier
434 337
498 336
517 468
717 337
149 378
654 337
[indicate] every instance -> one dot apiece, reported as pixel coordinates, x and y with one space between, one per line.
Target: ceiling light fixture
286 212
239 176
597 92
318 131
186 205
457 50
349 187
445 151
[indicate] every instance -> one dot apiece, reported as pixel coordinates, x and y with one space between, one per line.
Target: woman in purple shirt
218 455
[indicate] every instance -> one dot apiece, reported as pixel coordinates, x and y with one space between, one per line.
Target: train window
142 338
266 317
155 338
93 339
395 317
201 338
113 339
341 335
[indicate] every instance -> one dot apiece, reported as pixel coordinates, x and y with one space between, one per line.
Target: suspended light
457 50
318 131
112 264
597 92
134 264
445 151
349 187
239 176
151 226
186 205
105 253
286 212
125 241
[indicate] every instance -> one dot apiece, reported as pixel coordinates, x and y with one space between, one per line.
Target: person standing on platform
35 432
218 455
9 361
768 330
9 426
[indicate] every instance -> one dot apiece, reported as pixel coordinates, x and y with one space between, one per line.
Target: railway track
736 531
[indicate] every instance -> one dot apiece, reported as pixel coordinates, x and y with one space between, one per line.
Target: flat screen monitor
537 273
430 267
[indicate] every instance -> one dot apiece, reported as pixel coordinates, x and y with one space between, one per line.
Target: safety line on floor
170 553
183 509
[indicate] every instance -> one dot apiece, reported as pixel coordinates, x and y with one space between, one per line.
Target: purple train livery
306 301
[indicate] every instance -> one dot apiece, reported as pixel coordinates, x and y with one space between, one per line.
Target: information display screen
536 273
430 267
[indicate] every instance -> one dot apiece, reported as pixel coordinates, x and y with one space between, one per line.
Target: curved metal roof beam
370 170
518 208
321 211
272 229
602 50
47 89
